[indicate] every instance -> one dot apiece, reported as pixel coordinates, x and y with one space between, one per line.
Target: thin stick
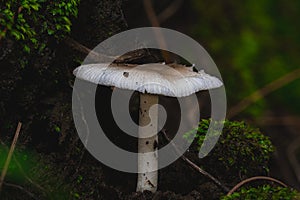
98 57
288 120
10 153
85 50
169 11
267 89
155 23
253 179
22 170
194 166
20 188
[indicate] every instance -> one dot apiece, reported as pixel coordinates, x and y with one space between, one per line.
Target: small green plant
32 21
241 149
57 129
264 192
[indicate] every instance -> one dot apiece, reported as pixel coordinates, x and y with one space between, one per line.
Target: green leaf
26 49
35 7
50 32
57 129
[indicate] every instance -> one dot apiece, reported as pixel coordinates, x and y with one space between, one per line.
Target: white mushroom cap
169 80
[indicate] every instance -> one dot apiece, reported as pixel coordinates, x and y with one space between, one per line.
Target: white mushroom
150 80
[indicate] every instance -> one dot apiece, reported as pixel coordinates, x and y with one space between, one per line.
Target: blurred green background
252 43
255 44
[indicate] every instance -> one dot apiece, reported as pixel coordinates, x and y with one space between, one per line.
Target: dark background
255 46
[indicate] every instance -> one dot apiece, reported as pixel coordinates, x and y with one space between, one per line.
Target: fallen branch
253 179
10 153
194 166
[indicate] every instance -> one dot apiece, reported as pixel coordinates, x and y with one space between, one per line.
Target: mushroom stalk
147 146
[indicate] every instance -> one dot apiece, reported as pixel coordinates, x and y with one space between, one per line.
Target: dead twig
98 57
267 89
27 178
23 172
155 23
253 179
85 50
281 120
10 153
20 188
151 13
194 166
169 11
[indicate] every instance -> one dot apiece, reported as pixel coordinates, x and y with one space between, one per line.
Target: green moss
264 192
241 149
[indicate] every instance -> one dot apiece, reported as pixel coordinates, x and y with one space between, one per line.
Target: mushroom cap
168 80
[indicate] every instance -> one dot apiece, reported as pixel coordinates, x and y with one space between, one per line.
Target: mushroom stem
147 146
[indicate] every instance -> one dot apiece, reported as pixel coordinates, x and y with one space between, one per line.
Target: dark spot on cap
126 74
147 142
